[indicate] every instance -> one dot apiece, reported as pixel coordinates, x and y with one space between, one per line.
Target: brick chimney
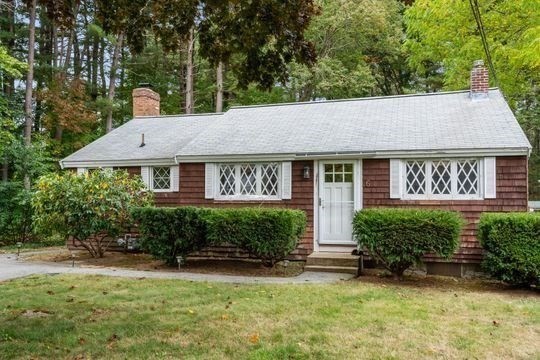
145 101
479 80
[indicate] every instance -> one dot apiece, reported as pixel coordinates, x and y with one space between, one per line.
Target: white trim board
117 163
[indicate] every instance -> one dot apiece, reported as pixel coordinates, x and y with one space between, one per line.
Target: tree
358 46
446 32
28 116
93 208
9 68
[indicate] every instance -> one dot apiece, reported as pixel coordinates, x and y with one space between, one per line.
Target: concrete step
332 259
333 269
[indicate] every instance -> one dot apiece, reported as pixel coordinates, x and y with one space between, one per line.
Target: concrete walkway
11 268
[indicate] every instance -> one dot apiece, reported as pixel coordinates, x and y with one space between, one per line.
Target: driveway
11 268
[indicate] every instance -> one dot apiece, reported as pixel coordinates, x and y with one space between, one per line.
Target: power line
478 18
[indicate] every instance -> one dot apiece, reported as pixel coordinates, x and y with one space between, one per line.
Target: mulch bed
138 261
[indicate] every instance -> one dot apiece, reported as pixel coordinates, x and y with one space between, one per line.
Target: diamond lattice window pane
269 179
441 183
161 178
415 177
226 180
467 177
248 179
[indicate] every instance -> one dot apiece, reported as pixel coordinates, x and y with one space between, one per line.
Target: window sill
247 199
442 198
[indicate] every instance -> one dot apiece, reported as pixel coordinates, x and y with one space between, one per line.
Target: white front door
337 202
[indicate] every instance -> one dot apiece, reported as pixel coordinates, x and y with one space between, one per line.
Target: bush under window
398 238
168 233
268 234
512 244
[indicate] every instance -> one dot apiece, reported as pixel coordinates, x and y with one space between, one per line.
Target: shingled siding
511 196
192 193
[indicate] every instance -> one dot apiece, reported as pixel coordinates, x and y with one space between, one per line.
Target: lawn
67 316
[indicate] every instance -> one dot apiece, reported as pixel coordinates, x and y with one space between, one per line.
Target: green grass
102 317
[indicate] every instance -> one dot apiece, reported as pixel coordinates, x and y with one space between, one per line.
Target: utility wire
478 18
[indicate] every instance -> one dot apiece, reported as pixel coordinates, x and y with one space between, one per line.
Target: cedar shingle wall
192 193
511 196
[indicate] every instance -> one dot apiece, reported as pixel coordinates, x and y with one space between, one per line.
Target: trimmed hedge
398 238
268 234
512 244
170 232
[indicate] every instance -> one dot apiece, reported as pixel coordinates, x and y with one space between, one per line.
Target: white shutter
175 178
490 178
81 171
209 180
395 179
145 175
286 180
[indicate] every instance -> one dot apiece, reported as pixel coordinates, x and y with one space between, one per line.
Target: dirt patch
247 268
147 263
35 313
444 283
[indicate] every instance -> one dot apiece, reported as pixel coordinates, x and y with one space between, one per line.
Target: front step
332 269
332 262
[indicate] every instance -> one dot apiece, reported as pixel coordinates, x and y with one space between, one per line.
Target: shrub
91 208
170 232
16 214
512 244
268 234
398 238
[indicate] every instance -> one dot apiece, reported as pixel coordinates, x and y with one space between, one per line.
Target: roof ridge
177 115
355 99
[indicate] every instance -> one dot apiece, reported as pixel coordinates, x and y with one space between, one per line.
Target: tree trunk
69 46
101 62
54 46
112 80
219 86
94 65
189 74
29 83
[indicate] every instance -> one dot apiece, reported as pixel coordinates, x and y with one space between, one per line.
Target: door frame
318 191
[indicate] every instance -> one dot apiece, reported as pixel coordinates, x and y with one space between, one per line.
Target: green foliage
268 234
398 238
512 244
9 65
33 160
358 43
90 208
167 233
16 214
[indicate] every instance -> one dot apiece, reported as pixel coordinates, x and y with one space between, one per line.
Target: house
461 150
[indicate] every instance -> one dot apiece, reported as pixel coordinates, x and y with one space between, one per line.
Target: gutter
299 156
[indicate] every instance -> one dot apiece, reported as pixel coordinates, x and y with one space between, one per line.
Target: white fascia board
415 154
234 158
117 163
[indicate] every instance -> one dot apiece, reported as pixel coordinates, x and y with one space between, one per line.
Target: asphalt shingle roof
163 137
401 123
430 122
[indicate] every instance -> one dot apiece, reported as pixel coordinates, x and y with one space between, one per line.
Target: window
161 178
441 179
338 173
249 181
